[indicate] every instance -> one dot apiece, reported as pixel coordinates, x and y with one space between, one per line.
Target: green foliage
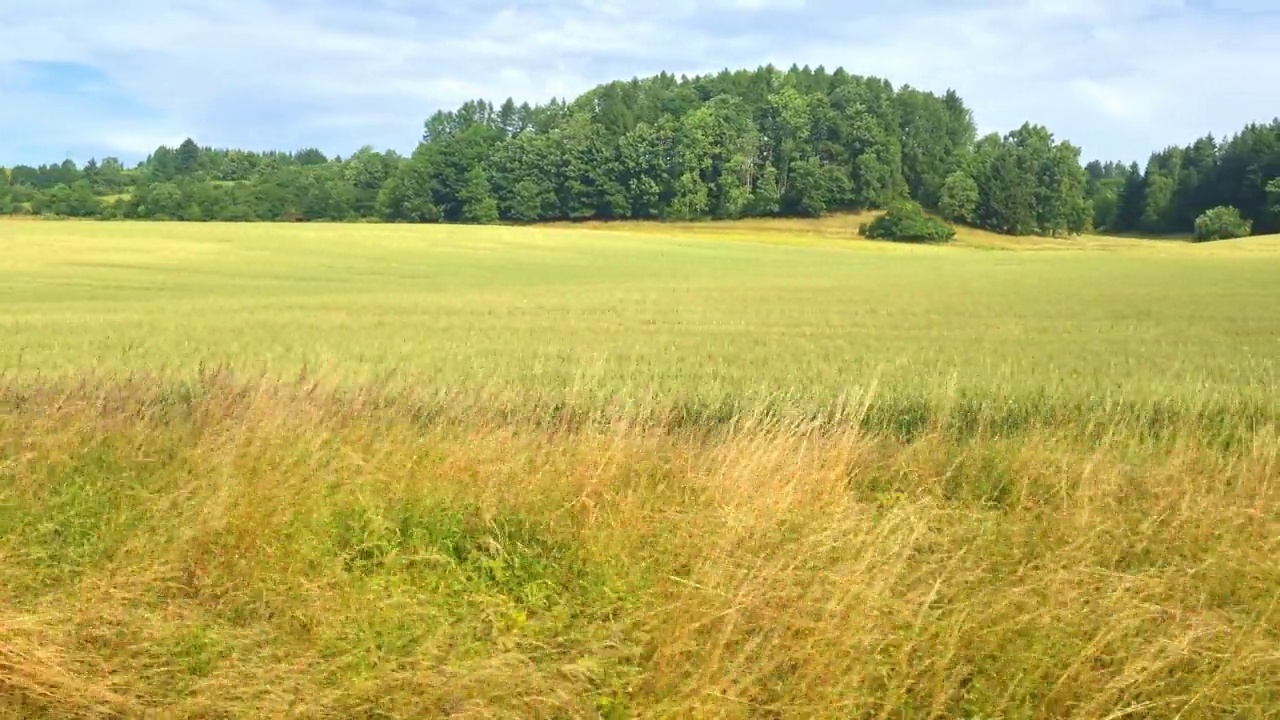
1006 201
1158 207
186 159
1107 185
767 198
763 142
1180 184
1221 223
906 221
6 193
409 194
1030 183
76 200
938 135
478 205
760 142
959 197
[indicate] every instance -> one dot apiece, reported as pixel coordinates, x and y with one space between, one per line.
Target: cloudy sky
1121 78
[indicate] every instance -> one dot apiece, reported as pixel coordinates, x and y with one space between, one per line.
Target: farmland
642 315
744 469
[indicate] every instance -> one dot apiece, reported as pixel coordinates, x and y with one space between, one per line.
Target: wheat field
635 471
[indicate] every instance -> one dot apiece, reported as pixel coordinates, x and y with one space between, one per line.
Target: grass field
755 469
645 317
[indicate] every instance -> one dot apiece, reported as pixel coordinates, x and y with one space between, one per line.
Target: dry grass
253 548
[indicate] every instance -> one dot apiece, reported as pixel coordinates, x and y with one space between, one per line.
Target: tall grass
249 547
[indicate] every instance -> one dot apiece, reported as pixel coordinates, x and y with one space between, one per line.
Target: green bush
906 221
1222 223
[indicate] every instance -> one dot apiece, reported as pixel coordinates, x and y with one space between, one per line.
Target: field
715 470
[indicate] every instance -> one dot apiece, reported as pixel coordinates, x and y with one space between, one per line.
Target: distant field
757 469
664 314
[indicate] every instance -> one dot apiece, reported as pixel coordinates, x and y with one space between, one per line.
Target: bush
1222 223
908 222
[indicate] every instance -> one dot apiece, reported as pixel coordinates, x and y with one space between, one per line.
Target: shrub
1221 223
908 222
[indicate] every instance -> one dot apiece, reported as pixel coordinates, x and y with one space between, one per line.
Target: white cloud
1120 78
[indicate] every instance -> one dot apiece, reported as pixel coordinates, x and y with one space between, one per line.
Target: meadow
761 469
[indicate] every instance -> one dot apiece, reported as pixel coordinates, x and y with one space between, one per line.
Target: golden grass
255 548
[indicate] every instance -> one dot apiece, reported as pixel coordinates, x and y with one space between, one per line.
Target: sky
1119 78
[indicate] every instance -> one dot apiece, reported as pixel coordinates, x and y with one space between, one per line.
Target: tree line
1236 179
751 143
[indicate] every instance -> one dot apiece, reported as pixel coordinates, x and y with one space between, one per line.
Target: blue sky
1121 78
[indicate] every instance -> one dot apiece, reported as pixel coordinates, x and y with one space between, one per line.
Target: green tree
1221 223
958 200
588 161
814 188
1106 186
525 191
1030 183
1006 192
1159 208
735 157
476 198
6 193
447 162
938 134
527 202
409 195
766 199
510 120
1132 201
366 172
159 201
324 194
206 201
786 127
76 201
1194 192
1063 207
110 177
238 166
81 201
691 198
858 129
310 156
186 159
694 165
647 162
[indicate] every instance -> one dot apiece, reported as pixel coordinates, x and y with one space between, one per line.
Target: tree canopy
1180 184
764 142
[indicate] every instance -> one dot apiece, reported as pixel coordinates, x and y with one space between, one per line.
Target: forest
751 143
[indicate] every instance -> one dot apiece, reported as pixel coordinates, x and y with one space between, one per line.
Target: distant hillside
761 143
